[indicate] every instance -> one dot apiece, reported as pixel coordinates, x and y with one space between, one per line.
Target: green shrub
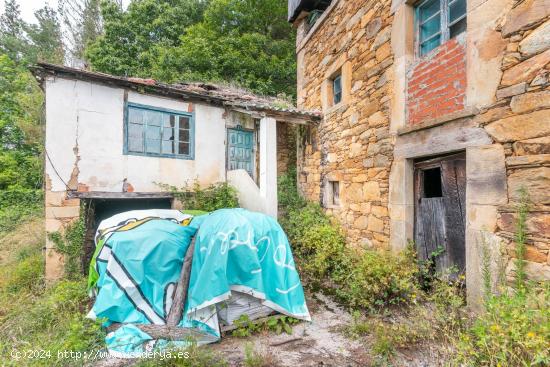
213 197
360 278
514 331
372 279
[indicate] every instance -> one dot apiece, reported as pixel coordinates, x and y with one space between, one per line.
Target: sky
28 7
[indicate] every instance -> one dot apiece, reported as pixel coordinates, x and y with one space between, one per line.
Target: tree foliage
246 42
83 25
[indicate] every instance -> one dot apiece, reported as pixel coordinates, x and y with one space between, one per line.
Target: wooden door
440 211
240 150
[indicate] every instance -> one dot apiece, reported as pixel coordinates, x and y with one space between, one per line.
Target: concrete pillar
268 164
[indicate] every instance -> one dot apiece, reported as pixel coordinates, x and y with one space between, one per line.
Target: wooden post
170 330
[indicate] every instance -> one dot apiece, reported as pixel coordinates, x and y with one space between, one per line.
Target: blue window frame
438 21
337 89
158 132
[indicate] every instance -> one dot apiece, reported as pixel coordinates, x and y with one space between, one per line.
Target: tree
133 38
246 42
20 129
82 20
12 39
45 37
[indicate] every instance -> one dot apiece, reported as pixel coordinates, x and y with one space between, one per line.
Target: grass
37 316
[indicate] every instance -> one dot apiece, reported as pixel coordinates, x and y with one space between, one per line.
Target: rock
521 127
512 91
383 51
533 146
382 37
373 27
375 224
354 192
361 222
531 254
536 223
526 70
530 102
377 119
371 191
524 15
537 41
535 180
540 79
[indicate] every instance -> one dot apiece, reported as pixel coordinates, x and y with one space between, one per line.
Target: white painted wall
84 134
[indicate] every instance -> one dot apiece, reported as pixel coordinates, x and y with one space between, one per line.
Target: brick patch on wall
437 84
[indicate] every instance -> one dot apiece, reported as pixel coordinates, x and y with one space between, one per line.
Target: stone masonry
486 92
352 144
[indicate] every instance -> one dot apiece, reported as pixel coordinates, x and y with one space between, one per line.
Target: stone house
111 141
435 114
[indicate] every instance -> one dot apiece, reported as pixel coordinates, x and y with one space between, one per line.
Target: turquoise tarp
237 252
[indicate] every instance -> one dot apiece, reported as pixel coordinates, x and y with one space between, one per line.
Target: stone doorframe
485 189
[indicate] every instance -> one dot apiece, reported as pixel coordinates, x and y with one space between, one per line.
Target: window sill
169 156
336 107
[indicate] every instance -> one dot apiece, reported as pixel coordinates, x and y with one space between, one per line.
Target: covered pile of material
241 265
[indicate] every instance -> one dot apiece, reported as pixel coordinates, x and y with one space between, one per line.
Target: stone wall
519 120
495 106
286 147
352 144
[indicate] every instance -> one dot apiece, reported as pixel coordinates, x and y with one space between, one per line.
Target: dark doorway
98 209
440 211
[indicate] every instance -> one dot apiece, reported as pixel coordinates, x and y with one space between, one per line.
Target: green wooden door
240 150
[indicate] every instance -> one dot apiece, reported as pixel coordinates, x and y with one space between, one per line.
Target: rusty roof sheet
210 93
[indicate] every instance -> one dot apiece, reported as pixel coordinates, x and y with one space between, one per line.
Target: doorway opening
98 209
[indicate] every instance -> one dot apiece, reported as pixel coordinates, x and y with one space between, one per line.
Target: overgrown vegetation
513 330
277 324
69 242
36 316
210 198
360 278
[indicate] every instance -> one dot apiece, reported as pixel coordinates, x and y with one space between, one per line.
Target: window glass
458 28
157 132
433 28
457 9
337 89
429 9
430 45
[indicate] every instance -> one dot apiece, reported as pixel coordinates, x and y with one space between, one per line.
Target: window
432 183
439 21
158 132
337 89
334 193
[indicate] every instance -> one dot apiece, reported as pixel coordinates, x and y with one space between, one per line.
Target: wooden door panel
440 221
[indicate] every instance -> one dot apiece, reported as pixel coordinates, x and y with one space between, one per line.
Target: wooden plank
453 186
431 229
118 195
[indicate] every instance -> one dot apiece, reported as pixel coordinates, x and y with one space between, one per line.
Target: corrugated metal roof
206 92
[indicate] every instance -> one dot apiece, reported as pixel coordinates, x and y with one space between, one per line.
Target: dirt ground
320 343
323 342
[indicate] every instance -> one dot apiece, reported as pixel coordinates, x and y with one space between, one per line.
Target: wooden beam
180 295
118 195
